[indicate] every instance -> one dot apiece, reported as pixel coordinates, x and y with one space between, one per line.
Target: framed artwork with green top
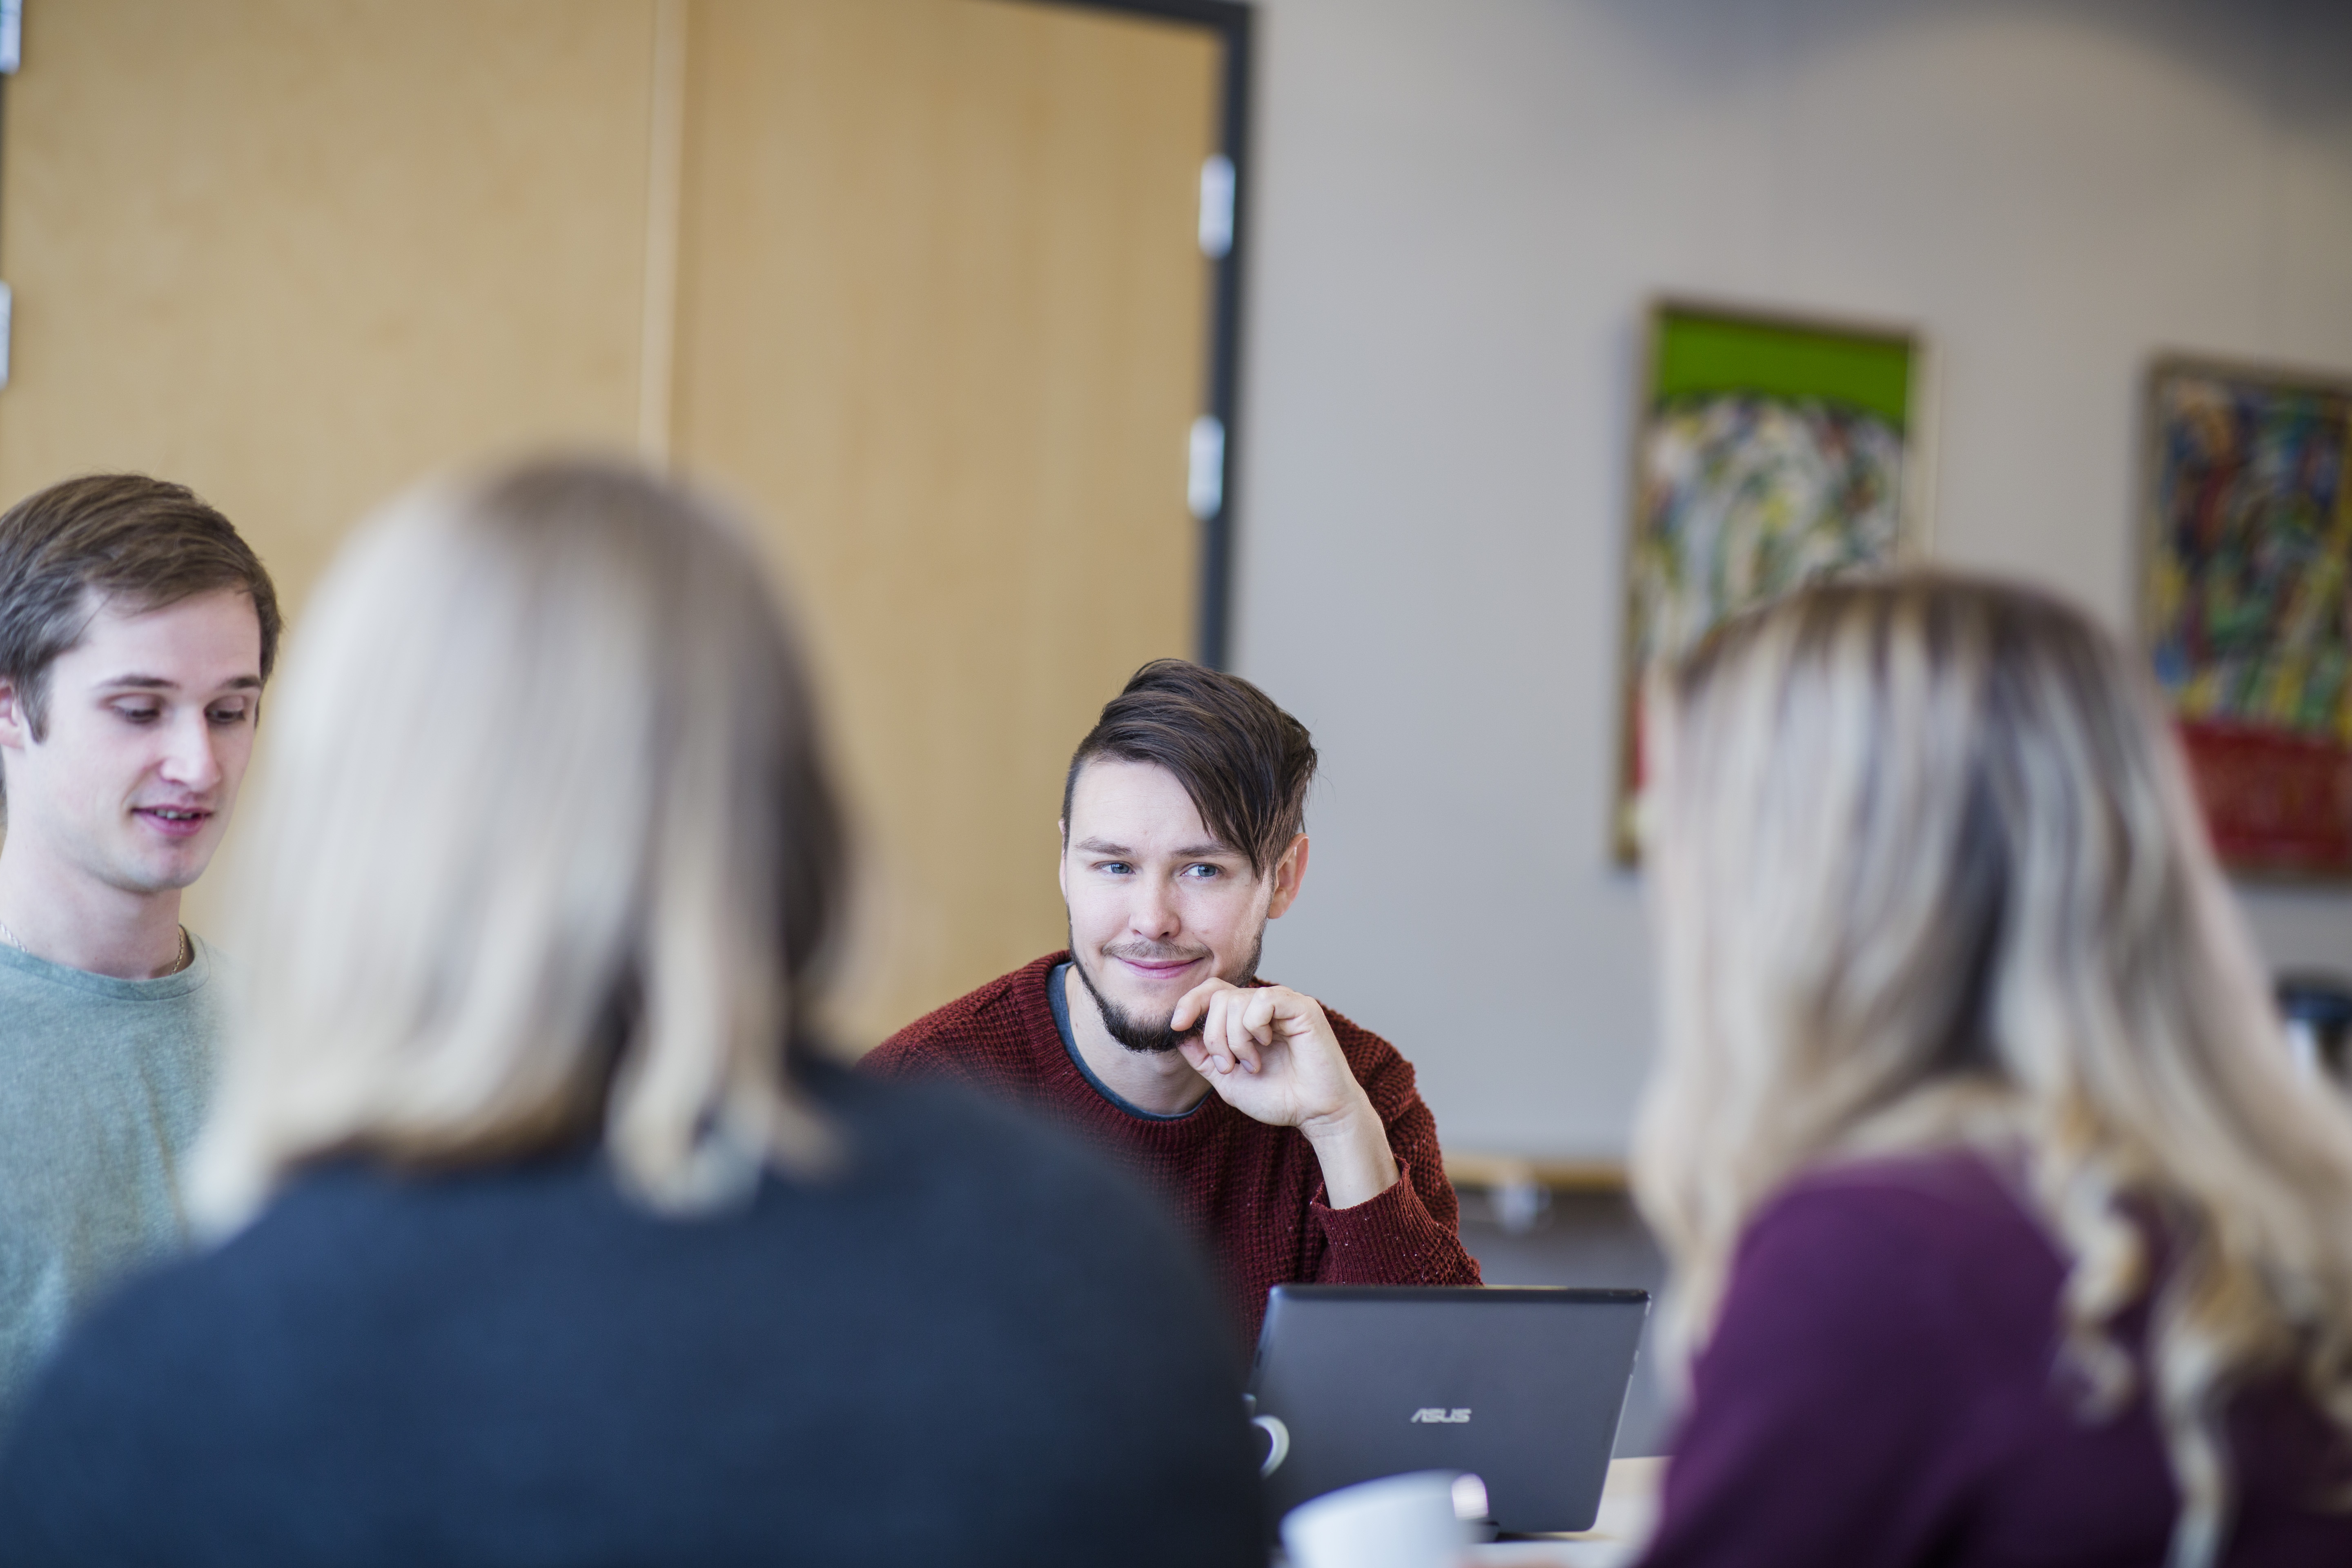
1770 450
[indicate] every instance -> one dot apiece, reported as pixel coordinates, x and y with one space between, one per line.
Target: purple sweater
1883 1389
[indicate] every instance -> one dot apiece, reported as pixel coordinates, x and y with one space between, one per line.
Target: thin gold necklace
187 949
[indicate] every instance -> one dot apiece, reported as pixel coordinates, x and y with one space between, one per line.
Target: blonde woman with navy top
545 1232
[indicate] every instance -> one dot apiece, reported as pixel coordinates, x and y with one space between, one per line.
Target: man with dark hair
1292 1141
136 629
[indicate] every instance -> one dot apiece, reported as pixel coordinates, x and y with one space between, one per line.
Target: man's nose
1154 914
191 755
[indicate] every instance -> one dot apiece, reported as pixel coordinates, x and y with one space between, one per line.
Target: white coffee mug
1401 1522
1277 1443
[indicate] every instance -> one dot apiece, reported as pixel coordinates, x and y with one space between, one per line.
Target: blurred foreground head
1928 871
545 852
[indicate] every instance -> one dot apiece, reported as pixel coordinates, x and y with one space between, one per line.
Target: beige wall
1460 207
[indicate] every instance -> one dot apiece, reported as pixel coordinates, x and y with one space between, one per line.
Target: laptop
1520 1388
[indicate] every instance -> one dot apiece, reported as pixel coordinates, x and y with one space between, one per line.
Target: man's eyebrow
163 683
1208 850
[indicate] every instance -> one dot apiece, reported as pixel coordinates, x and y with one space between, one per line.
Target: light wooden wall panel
942 321
297 252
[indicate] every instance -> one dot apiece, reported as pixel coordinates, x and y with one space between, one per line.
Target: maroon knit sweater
1251 1194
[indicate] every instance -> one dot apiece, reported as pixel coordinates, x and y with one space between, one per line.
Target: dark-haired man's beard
1153 1035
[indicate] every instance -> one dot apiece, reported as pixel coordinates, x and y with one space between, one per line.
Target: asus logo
1436 1415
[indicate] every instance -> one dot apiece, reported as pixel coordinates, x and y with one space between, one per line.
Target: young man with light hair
1292 1141
136 630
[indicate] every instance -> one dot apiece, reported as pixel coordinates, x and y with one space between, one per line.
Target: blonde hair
1929 872
544 846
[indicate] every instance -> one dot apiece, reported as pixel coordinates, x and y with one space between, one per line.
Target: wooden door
915 279
943 325
297 253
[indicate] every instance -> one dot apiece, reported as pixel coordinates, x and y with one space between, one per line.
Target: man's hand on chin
1270 1054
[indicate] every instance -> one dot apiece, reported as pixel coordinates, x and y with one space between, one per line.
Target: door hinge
1217 206
1205 478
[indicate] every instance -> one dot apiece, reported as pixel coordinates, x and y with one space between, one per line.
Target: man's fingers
1237 1027
1226 1034
1194 1003
1244 1048
1208 1004
1224 1040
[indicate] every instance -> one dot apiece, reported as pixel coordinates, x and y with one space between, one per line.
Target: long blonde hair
545 848
1929 871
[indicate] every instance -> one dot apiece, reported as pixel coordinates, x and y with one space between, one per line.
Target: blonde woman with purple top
2002 1227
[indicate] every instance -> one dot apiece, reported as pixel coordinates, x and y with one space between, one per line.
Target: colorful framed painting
1770 450
2247 605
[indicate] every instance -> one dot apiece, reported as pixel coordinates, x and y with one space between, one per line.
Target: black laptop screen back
1521 1387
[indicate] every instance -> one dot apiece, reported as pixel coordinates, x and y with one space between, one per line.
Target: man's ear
1289 872
16 724
1062 859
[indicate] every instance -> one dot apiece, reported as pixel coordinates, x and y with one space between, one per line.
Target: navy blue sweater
974 1346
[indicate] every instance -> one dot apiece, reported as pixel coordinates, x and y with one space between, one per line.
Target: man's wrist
1345 1125
1352 1147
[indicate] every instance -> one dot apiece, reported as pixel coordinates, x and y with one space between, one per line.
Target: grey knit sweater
102 1088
